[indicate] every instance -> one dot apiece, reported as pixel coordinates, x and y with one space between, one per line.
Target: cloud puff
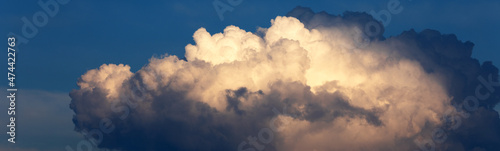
304 83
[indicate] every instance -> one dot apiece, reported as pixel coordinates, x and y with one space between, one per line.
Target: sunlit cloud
304 83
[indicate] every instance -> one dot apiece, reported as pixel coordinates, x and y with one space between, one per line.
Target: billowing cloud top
311 81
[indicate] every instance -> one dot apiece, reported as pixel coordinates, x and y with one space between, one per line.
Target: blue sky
86 34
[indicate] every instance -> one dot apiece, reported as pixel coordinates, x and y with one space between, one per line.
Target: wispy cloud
43 122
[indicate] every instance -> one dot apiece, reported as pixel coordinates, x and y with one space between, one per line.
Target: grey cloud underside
176 123
168 119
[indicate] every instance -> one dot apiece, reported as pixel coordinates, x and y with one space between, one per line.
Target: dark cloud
170 121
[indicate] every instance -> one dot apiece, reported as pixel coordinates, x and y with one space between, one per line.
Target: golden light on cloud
336 94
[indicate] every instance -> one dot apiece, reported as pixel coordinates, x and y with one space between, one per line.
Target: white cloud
343 96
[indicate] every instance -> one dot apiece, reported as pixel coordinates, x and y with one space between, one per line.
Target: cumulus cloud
304 83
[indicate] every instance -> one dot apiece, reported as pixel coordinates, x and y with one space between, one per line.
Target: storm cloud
310 81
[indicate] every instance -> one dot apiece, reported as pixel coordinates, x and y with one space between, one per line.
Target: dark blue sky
86 34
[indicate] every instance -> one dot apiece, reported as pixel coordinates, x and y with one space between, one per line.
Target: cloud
304 83
43 122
